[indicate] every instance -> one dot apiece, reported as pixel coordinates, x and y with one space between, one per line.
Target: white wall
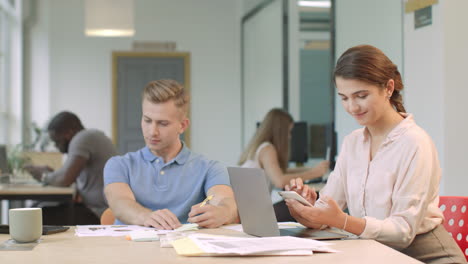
424 77
263 62
249 5
262 44
80 67
435 59
11 111
374 22
39 64
456 93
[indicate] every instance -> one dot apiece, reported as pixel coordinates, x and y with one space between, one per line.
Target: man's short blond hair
161 91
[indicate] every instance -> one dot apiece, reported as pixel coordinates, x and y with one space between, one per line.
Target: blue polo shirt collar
181 158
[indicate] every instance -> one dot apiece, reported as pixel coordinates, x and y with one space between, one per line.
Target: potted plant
18 157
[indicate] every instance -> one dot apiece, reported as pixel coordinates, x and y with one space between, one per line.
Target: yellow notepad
186 247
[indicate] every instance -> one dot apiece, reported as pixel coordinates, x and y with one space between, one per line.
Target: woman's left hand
315 217
302 189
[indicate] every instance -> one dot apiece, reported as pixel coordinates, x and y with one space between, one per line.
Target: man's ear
184 124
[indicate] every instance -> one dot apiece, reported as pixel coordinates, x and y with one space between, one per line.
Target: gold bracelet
345 222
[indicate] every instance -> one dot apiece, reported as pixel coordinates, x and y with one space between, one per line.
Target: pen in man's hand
206 200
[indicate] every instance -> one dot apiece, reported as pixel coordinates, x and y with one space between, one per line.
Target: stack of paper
187 227
209 245
165 236
107 230
124 230
143 236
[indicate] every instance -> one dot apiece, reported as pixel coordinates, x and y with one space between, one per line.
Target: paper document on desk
123 230
143 236
108 230
209 245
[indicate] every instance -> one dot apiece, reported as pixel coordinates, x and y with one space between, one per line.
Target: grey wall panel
133 73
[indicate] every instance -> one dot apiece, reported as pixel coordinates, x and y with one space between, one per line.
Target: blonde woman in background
269 150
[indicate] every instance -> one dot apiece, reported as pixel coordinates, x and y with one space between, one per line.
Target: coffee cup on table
25 224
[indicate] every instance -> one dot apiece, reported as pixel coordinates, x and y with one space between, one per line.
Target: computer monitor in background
298 146
318 141
299 151
323 137
331 142
4 160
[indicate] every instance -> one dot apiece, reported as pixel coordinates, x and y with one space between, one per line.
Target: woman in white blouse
387 173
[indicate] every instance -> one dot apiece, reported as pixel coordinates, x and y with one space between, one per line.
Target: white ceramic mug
25 224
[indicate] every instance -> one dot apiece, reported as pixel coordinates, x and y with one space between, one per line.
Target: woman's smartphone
295 196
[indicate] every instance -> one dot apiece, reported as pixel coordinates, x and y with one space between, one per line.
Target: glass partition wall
267 69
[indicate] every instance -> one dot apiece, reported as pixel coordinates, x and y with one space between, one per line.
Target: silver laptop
256 209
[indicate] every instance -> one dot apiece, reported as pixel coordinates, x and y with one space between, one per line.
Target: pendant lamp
109 18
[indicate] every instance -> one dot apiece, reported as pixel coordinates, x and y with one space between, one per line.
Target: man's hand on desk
209 215
37 171
161 219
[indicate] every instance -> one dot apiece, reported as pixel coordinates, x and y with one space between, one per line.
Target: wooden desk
34 191
68 248
9 192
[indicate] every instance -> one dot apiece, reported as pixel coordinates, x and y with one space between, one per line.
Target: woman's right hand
302 189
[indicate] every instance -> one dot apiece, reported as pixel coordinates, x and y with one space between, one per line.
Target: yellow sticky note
186 247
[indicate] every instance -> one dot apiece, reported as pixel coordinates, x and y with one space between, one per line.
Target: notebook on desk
256 209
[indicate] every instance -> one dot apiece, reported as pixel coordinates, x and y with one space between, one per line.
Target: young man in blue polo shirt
163 184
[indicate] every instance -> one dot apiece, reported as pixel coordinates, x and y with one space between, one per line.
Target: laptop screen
256 211
253 200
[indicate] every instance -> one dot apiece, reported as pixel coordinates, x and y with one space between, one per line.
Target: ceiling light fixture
109 18
318 4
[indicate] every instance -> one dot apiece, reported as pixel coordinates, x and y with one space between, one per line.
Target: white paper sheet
258 245
123 230
107 230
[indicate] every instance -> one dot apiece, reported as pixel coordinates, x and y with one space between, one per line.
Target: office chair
455 209
107 217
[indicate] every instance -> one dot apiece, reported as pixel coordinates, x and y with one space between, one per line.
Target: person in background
163 184
387 174
269 150
87 152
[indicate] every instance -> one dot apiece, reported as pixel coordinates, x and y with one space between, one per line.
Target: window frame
10 71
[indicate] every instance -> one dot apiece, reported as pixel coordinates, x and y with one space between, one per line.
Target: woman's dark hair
369 64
